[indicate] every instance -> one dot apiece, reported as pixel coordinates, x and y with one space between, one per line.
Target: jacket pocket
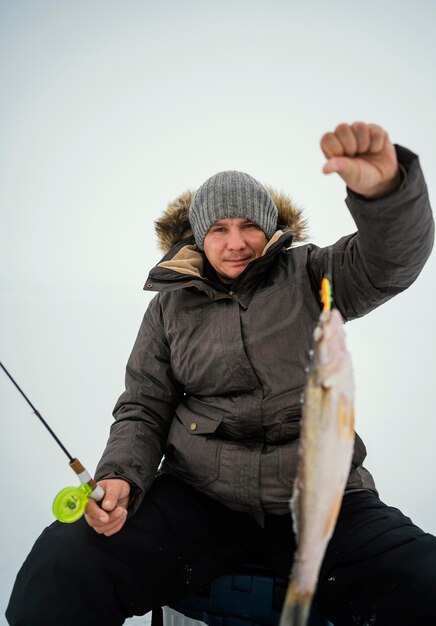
193 449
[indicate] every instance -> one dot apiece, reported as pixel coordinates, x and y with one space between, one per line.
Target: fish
325 452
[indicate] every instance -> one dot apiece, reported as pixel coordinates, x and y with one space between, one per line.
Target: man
214 384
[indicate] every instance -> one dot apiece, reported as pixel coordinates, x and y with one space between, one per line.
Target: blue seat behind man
247 597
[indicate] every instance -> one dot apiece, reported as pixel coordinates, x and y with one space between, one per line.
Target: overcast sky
108 110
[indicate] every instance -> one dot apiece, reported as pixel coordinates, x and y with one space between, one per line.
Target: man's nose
235 240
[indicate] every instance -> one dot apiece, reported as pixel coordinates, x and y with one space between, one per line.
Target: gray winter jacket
215 377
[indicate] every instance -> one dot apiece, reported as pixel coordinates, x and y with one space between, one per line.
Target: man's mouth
244 260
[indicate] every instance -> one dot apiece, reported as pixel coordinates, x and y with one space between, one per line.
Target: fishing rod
70 503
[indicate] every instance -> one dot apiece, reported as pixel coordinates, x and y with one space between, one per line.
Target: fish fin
294 507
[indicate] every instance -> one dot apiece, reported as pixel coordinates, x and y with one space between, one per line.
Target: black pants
379 568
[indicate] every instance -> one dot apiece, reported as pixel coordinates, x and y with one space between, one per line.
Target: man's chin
231 275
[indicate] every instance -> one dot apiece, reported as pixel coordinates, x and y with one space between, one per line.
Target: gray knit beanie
231 194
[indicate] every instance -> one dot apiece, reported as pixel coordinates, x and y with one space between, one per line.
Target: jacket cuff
121 472
405 159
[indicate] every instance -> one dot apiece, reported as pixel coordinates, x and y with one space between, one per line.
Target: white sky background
108 110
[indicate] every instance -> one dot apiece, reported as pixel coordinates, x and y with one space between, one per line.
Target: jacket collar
183 267
183 264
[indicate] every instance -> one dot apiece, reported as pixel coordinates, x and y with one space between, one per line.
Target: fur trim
174 224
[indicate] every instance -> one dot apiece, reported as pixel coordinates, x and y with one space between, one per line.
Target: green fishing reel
70 503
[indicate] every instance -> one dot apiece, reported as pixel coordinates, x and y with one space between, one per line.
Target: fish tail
295 615
296 608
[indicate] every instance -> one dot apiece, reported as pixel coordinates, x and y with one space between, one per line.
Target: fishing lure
326 294
70 503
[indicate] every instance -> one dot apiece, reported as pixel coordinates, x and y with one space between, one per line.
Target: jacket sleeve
394 240
144 411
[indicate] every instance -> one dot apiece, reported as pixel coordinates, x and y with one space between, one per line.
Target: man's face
231 243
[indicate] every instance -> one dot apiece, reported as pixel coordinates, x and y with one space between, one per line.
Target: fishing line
326 288
69 505
329 274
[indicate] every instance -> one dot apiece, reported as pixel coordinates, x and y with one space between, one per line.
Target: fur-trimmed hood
174 224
